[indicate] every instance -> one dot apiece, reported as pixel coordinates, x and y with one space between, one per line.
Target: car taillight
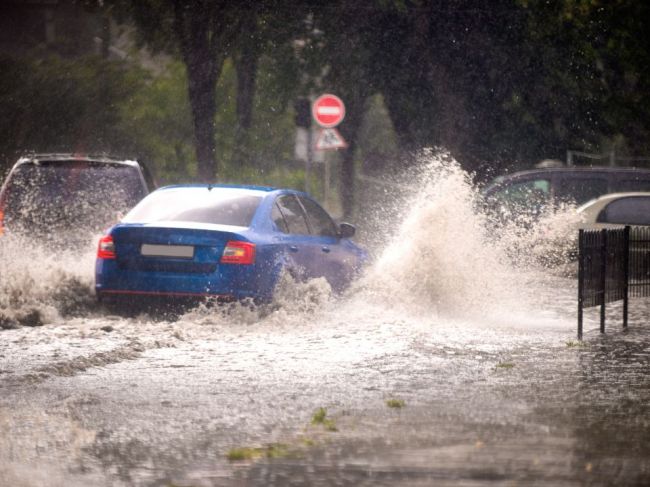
238 253
106 249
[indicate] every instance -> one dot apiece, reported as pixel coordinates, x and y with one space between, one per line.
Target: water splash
446 256
449 257
293 302
39 285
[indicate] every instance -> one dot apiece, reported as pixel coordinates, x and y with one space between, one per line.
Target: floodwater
476 354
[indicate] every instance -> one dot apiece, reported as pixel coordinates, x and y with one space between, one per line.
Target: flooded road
443 366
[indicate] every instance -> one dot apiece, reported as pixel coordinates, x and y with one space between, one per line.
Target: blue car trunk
143 249
175 261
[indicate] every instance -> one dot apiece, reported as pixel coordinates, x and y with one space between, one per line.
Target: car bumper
227 283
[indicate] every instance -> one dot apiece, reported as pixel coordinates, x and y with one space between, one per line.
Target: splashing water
441 258
448 256
293 301
39 285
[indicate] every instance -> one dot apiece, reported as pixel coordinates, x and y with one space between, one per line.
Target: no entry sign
328 110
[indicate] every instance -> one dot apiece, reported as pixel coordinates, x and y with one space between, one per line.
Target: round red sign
328 110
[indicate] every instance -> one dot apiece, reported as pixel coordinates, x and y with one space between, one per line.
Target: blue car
224 242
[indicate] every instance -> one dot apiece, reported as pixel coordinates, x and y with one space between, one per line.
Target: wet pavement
102 400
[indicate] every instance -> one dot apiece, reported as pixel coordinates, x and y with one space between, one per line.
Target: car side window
319 221
278 219
524 196
627 185
293 215
634 210
580 190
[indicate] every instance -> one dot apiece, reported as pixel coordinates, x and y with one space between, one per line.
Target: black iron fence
639 256
613 265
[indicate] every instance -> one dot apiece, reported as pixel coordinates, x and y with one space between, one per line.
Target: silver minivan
65 196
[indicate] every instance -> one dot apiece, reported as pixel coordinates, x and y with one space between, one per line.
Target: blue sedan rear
227 242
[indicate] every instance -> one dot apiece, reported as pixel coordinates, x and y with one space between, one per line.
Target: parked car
558 244
69 196
616 209
529 192
226 242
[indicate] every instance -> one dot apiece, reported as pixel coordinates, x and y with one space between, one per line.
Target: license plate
178 251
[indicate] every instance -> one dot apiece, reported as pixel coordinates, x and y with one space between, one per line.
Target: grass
274 450
395 403
320 418
281 450
575 344
308 442
505 365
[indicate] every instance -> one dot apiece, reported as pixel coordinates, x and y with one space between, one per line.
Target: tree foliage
500 84
54 104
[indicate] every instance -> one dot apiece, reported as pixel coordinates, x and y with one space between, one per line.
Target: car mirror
346 230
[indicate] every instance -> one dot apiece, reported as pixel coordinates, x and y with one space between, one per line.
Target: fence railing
613 265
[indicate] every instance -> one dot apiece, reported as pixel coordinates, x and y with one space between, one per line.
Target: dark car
224 242
529 191
69 196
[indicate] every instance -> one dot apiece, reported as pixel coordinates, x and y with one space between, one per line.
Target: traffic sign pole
328 111
310 157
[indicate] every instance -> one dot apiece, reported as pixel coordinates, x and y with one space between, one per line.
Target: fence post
581 278
626 272
603 278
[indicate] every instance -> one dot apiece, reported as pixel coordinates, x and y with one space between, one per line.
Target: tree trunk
202 100
199 42
349 129
246 69
347 180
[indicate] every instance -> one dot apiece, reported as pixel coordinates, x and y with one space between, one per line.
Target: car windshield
221 206
71 193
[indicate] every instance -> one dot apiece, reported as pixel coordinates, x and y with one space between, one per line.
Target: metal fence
613 265
639 257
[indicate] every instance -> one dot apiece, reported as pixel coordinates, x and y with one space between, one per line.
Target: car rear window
71 192
221 206
633 210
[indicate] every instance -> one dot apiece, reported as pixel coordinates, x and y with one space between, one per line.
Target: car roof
65 157
606 198
569 169
249 187
572 169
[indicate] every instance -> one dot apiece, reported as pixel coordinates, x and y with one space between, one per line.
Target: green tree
54 104
203 32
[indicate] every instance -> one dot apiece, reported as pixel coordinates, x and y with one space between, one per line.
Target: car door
331 256
289 218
